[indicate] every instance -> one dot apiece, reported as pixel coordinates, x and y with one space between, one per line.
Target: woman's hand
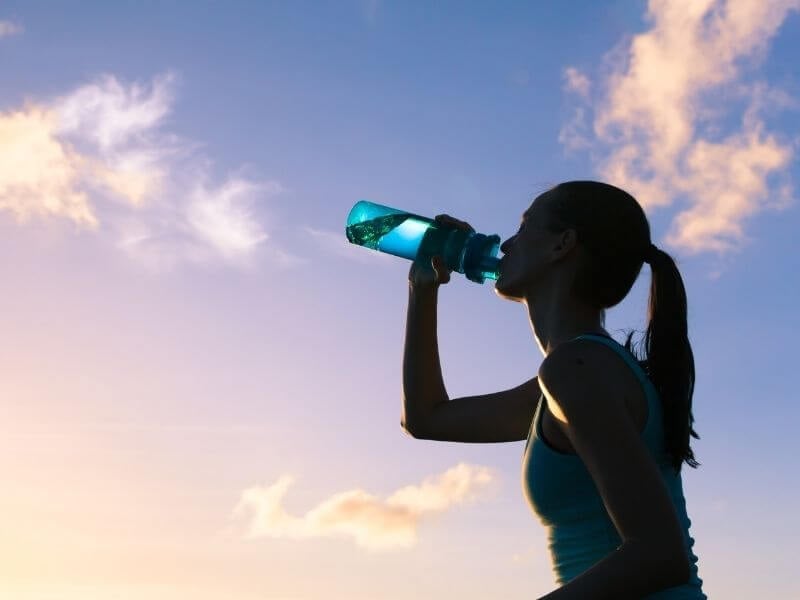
430 275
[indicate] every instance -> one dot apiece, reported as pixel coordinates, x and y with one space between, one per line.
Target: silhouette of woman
607 431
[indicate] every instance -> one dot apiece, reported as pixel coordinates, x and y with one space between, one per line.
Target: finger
442 273
439 265
453 221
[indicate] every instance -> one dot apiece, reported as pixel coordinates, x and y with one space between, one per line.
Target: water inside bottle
369 233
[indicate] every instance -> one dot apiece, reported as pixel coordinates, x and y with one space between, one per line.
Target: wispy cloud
577 82
8 28
373 523
574 134
658 126
100 157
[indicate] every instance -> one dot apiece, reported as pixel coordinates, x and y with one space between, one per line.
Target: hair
614 233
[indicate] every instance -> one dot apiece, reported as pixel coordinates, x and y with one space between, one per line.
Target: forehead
537 208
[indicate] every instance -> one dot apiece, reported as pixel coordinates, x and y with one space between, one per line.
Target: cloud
577 82
574 134
112 116
222 220
39 175
658 127
374 524
99 156
7 28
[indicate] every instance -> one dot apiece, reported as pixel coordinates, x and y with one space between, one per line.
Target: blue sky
188 330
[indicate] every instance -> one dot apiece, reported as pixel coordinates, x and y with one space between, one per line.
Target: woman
606 433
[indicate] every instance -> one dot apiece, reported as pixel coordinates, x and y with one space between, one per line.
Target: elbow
410 422
414 429
410 430
405 427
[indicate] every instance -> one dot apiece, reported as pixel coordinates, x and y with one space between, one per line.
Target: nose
505 246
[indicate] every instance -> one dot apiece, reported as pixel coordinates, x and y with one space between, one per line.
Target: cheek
516 270
525 267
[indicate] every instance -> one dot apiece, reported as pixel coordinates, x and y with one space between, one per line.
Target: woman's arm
423 385
631 572
427 412
580 380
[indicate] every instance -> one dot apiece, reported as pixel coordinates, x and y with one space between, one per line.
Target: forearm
629 573
423 386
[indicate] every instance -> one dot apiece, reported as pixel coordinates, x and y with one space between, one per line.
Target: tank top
562 494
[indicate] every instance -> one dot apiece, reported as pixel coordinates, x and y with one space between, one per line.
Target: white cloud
577 82
99 157
111 115
373 523
39 175
221 217
8 28
657 127
574 134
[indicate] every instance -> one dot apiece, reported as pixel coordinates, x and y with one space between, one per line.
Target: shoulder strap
624 353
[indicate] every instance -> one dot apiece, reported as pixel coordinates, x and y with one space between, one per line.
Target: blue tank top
562 493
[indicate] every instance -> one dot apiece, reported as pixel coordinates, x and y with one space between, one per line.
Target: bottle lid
480 258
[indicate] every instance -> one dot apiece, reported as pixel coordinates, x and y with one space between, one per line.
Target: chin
505 291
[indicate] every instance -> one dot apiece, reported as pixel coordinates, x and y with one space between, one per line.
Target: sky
200 379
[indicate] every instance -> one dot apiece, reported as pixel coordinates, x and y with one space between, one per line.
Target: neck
558 318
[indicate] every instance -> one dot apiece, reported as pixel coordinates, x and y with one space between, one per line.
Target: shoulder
579 370
581 357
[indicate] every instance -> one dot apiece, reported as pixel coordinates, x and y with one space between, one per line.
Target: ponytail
669 361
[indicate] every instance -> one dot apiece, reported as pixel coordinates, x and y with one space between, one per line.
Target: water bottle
411 236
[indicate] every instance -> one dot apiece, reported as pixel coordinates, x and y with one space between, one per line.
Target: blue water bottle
415 237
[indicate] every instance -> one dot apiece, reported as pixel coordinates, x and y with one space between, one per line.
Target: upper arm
497 417
579 382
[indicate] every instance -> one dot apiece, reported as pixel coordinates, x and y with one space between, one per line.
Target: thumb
442 272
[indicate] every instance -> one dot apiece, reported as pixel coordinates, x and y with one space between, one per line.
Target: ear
566 241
